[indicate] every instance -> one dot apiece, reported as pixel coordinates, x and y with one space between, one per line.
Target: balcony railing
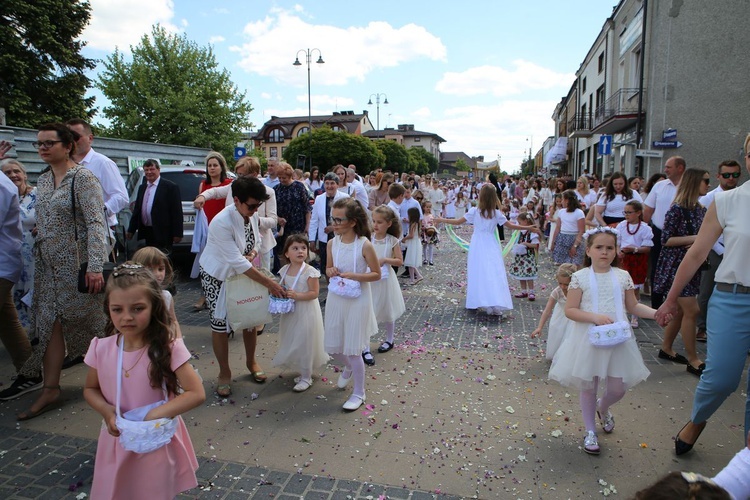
623 103
580 123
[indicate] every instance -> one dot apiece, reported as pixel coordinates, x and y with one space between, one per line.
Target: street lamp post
377 105
308 58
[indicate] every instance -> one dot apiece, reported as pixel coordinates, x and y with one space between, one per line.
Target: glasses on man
253 206
44 144
338 220
733 175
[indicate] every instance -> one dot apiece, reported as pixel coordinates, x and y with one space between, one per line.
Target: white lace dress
559 324
577 362
349 322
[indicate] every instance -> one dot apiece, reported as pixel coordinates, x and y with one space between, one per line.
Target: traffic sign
667 144
605 145
670 133
649 153
239 152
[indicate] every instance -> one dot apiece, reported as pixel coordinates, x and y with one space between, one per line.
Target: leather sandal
258 376
52 405
224 390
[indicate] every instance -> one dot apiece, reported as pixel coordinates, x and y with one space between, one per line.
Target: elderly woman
233 243
728 321
292 205
16 172
71 230
379 196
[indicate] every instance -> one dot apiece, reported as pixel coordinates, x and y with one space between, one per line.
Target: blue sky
485 75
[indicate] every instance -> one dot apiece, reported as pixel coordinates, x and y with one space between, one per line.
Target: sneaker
432 263
634 322
21 386
532 297
591 444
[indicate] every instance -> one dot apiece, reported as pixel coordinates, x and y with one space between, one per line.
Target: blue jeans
728 327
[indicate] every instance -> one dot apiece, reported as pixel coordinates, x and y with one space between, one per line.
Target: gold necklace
127 371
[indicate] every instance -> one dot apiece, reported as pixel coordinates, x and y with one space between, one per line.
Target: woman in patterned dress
16 172
292 206
61 316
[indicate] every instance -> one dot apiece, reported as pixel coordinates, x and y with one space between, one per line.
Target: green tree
258 153
462 166
396 155
42 72
422 161
330 148
173 92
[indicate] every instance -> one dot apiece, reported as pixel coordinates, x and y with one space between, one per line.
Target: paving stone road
460 408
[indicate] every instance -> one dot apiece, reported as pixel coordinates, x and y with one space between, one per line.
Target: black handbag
107 268
706 265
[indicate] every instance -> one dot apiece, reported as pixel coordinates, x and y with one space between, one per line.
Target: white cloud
266 95
423 112
505 128
331 102
122 24
349 53
499 81
222 10
216 39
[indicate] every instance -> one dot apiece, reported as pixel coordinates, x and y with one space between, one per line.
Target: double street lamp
377 102
308 58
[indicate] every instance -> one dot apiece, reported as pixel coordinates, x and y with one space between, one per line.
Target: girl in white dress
387 299
413 245
487 286
580 364
560 325
301 331
350 320
461 204
158 263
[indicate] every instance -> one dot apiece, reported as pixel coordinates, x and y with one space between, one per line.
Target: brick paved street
461 408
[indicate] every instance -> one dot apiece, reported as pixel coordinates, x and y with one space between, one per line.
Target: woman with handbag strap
681 224
231 248
61 316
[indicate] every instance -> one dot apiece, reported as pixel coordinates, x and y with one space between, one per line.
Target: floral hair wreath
126 269
602 229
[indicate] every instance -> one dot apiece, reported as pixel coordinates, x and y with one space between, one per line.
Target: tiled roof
349 120
404 133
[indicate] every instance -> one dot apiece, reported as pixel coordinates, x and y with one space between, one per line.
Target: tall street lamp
308 58
377 104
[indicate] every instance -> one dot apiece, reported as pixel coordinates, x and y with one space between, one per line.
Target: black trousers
657 299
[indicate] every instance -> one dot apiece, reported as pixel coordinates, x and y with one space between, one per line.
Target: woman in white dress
487 286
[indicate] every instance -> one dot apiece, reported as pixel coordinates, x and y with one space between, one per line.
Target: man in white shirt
655 209
113 186
271 179
360 193
728 175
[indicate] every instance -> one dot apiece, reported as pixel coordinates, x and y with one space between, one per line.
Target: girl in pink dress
152 362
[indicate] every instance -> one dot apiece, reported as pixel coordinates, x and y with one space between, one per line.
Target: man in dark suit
157 215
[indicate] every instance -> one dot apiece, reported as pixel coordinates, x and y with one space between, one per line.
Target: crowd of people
612 239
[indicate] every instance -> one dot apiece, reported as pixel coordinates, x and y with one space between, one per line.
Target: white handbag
613 333
136 434
281 305
345 287
519 249
247 303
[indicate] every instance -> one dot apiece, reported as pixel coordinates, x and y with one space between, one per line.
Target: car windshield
189 183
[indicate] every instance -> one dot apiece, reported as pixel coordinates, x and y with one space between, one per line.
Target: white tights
355 366
613 393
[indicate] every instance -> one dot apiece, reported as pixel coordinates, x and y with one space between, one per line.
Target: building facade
409 138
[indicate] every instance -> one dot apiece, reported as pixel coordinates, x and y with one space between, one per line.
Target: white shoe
353 402
344 381
302 385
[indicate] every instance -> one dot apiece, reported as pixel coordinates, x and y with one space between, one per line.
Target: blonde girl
387 299
559 325
524 267
430 235
413 245
350 321
300 331
153 363
579 363
158 263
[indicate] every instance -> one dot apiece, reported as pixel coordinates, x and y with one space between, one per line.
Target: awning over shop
558 152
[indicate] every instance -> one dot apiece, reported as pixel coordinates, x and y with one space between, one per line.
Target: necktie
145 212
